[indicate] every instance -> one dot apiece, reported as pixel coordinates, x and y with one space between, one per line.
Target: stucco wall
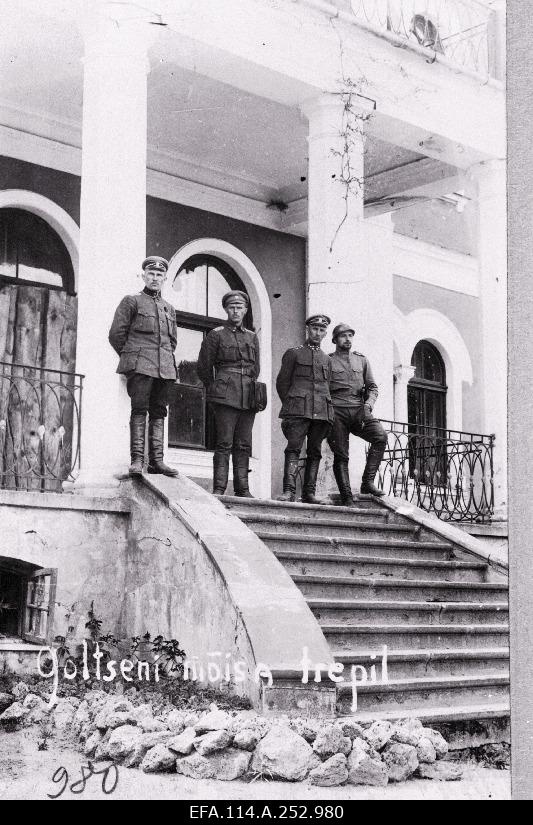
464 312
437 223
279 258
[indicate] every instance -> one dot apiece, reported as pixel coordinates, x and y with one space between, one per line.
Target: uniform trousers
357 421
148 395
295 431
233 429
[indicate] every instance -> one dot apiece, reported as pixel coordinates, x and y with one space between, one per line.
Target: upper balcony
469 34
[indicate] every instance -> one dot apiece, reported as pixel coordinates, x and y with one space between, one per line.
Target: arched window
32 253
196 293
426 407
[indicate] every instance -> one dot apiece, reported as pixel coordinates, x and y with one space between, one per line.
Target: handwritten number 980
61 776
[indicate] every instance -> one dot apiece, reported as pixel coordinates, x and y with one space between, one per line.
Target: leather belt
240 370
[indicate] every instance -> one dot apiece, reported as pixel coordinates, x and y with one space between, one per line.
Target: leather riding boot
310 477
220 473
375 454
241 461
156 465
137 437
290 474
342 477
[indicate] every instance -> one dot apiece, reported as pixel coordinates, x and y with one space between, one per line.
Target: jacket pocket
295 403
144 323
128 360
304 370
219 387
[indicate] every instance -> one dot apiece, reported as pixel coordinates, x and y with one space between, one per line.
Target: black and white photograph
257 512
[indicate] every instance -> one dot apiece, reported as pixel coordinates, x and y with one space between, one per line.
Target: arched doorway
426 407
199 285
197 462
38 318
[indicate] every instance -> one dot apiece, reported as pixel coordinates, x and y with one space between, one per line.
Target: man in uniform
143 333
354 393
228 365
307 411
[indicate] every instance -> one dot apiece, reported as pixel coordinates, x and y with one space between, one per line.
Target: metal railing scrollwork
446 472
40 422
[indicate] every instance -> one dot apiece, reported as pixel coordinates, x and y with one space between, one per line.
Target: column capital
117 31
326 111
403 373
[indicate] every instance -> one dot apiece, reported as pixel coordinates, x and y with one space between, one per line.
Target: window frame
49 609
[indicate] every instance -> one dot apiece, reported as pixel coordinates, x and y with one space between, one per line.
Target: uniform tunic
354 393
144 334
303 384
352 382
228 363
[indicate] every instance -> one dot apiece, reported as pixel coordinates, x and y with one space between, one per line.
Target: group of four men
323 396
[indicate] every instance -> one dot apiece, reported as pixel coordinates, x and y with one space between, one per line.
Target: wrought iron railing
445 472
457 29
40 421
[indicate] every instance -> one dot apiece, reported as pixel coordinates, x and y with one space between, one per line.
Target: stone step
367 528
301 511
355 547
448 637
376 566
339 611
450 692
356 544
394 589
420 663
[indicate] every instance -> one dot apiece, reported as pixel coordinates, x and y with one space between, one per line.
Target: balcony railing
40 420
460 30
445 472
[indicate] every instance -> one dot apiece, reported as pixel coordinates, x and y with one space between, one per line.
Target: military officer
228 364
143 333
307 411
354 393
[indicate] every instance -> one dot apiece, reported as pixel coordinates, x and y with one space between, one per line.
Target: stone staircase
373 577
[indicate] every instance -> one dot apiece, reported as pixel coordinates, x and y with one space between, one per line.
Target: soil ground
26 773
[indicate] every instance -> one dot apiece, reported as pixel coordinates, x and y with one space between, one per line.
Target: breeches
359 422
233 429
148 395
296 430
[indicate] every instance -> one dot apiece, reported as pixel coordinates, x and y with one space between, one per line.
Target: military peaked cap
318 320
235 296
155 262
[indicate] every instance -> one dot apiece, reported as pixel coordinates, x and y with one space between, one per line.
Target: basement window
27 597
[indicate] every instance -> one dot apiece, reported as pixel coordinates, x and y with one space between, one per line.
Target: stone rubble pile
216 744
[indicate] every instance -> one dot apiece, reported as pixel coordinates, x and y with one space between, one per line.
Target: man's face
315 333
344 341
154 278
236 310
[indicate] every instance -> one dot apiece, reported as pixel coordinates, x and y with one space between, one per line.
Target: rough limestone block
159 760
14 715
182 743
408 732
437 740
246 740
425 751
227 765
334 771
215 740
282 754
214 720
362 770
378 734
401 761
351 729
122 741
92 743
331 740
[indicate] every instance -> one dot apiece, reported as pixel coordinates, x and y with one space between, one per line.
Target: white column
349 269
492 255
113 222
402 376
350 264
